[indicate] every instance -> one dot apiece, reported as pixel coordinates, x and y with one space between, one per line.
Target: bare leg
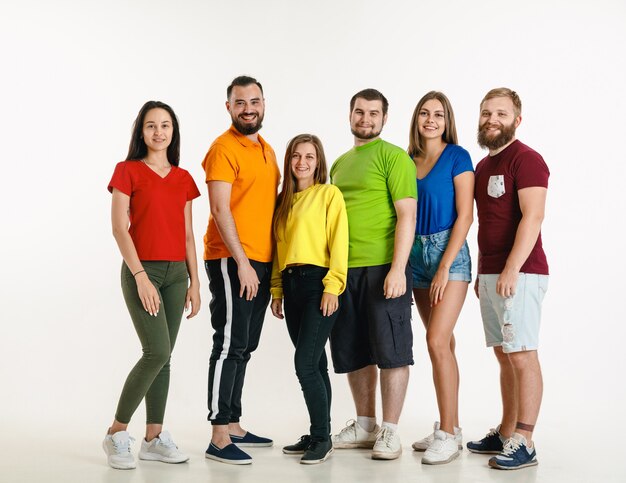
363 386
116 426
236 429
529 390
153 430
220 436
393 383
508 390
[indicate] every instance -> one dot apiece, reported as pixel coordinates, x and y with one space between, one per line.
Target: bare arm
395 281
532 203
464 200
193 291
219 199
120 209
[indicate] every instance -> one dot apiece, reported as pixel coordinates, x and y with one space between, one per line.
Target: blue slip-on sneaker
228 454
250 440
490 444
515 455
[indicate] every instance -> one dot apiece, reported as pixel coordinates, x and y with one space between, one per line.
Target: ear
518 121
227 104
384 119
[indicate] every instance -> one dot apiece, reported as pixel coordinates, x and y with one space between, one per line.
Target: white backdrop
74 75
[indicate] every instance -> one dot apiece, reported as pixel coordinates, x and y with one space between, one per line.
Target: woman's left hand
438 286
329 305
192 299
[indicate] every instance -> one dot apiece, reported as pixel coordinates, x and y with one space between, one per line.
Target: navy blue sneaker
490 444
228 454
250 440
515 455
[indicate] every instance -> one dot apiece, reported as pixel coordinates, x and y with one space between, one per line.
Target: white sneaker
162 448
117 448
443 449
424 443
387 446
354 436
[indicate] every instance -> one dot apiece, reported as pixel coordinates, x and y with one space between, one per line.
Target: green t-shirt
372 177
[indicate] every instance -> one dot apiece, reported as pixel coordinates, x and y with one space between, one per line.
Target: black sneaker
490 444
299 447
317 452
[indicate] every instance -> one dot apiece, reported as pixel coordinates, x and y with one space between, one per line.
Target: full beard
246 128
371 135
486 141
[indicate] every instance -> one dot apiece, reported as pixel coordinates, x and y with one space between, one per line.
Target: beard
371 135
247 128
486 141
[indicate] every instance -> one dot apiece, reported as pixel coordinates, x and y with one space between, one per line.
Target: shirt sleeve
220 165
462 162
121 179
337 238
401 176
192 188
276 281
531 171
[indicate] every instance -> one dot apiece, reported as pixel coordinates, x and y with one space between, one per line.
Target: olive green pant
150 378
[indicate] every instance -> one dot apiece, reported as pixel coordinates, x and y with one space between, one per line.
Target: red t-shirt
157 208
498 178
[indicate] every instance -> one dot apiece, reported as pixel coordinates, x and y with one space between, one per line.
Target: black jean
309 331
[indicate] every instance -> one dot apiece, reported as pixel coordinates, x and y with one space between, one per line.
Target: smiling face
497 123
303 165
367 120
431 119
157 129
247 108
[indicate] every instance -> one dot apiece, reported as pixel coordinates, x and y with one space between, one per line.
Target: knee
158 357
523 360
438 347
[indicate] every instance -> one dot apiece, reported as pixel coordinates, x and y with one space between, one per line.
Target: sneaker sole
162 459
288 451
525 465
482 451
314 462
359 445
377 455
227 461
421 449
443 462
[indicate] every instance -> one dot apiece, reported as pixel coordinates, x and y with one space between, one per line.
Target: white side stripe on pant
217 376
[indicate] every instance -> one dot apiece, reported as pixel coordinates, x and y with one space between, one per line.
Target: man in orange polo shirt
242 177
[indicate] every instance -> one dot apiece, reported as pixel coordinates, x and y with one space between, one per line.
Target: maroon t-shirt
498 178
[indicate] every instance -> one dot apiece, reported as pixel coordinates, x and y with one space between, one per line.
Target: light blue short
426 255
512 322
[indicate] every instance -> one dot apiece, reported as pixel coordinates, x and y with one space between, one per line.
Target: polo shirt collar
244 140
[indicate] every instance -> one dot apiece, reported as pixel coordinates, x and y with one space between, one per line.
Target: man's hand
395 284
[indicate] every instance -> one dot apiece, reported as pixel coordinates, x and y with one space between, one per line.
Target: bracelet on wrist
137 273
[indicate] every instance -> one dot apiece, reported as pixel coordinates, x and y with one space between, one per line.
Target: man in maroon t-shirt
510 191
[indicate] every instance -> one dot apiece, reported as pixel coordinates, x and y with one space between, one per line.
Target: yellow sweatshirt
316 233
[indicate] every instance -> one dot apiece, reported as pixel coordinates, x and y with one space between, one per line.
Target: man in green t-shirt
373 333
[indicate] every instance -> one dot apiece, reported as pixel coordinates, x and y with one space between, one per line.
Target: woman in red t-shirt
151 218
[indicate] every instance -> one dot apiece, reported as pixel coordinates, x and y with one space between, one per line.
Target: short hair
416 143
505 92
242 81
138 150
370 95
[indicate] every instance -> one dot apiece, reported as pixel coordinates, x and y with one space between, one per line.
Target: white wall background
74 75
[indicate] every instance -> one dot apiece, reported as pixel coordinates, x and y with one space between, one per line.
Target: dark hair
370 95
416 143
138 149
242 81
284 201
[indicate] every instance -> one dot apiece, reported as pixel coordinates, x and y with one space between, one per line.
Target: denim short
512 322
426 255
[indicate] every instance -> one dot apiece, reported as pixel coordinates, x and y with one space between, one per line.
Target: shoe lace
122 446
167 443
492 432
350 427
511 445
386 435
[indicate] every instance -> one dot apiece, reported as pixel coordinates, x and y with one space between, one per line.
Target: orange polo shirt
252 170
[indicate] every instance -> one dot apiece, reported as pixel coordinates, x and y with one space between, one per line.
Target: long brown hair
285 197
416 143
138 149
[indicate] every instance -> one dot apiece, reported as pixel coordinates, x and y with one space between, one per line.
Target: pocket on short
402 333
495 188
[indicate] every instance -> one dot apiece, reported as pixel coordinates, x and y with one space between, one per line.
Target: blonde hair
505 92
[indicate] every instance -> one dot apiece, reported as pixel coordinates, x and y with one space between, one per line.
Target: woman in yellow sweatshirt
310 269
